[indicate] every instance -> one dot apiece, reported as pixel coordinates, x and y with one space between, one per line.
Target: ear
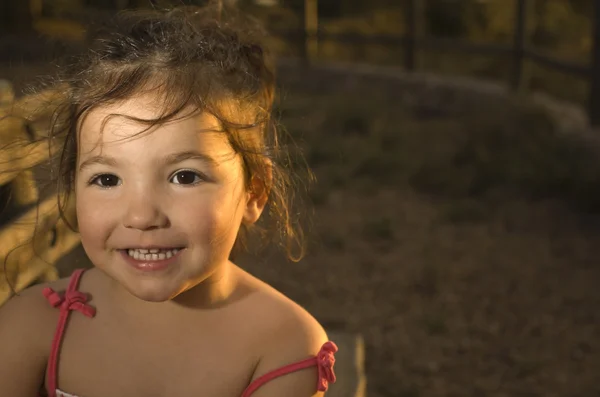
258 195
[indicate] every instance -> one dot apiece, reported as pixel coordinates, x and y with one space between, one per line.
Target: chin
156 295
150 290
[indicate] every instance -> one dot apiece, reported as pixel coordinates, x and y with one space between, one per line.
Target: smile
151 259
152 254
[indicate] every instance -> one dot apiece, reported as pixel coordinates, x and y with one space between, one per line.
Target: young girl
171 156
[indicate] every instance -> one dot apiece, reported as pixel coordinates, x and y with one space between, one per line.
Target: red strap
75 300
324 360
71 300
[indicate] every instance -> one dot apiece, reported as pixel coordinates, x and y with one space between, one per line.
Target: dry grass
462 248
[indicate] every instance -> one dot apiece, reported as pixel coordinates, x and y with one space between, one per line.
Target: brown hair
205 58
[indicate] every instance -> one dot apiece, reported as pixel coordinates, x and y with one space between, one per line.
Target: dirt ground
459 294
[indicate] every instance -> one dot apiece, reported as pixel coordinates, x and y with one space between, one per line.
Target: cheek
93 221
216 219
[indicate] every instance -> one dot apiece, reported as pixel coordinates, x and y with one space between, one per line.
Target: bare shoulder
29 312
286 333
277 316
31 303
27 324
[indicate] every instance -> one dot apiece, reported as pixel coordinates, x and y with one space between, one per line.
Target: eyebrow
170 159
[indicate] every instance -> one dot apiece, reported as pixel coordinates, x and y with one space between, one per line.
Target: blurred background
457 209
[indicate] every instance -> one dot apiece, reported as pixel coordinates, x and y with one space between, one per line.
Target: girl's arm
26 326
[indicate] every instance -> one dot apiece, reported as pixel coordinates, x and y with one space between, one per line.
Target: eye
106 180
186 178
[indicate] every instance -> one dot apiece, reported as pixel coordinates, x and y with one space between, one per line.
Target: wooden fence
413 41
33 239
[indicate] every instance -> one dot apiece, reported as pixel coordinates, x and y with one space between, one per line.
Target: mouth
151 254
151 259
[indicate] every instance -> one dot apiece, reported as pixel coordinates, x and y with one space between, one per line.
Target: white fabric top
60 393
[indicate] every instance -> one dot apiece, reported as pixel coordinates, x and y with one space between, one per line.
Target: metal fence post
594 78
518 45
311 26
410 35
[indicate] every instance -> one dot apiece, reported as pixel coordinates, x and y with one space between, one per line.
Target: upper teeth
152 254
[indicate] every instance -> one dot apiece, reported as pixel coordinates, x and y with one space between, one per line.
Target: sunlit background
457 209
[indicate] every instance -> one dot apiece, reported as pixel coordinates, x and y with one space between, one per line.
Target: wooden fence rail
413 41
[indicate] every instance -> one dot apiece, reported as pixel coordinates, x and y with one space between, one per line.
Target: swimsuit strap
71 300
324 361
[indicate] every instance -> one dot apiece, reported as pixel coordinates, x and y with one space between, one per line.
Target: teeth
152 255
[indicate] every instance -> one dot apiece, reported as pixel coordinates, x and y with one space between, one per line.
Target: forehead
113 127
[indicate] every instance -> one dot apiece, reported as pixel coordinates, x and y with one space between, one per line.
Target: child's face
181 186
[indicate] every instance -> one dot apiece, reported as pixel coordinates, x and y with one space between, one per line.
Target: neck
215 291
211 293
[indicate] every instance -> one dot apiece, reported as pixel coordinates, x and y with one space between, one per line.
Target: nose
143 213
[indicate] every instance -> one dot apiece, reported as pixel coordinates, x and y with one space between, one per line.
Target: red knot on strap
71 300
325 363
